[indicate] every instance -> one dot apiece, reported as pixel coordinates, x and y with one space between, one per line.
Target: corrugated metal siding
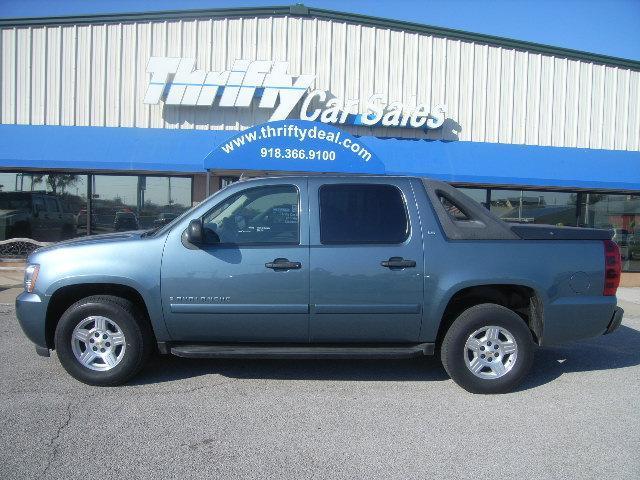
95 74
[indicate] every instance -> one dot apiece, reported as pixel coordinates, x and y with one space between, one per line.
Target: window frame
409 227
257 244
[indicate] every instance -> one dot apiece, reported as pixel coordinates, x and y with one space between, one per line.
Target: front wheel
103 340
488 349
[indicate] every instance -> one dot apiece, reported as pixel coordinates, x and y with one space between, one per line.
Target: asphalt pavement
576 416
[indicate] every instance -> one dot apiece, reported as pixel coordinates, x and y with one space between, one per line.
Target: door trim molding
321 309
238 308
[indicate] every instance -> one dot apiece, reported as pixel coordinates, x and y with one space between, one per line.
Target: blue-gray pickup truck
324 267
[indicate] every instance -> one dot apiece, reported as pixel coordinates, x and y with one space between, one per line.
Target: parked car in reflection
125 221
164 218
36 215
81 219
621 237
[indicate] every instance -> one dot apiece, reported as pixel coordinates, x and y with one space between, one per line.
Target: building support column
89 203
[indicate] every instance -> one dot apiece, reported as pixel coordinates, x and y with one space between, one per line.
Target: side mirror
195 233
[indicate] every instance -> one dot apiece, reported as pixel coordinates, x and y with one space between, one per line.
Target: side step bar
302 351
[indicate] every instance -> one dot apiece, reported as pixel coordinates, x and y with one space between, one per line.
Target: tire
123 335
510 342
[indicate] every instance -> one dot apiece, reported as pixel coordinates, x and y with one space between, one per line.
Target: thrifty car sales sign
178 82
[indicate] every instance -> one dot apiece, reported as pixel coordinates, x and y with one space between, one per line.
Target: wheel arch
65 296
524 299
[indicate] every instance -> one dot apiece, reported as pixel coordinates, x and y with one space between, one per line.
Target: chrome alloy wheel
98 343
490 352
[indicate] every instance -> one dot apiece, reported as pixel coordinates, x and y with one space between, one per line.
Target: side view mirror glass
195 232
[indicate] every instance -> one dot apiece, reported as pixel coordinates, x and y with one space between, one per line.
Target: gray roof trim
300 10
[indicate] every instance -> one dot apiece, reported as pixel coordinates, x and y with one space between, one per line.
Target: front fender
150 294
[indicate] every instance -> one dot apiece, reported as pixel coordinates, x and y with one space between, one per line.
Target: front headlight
30 277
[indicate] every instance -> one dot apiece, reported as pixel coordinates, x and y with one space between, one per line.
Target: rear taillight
612 267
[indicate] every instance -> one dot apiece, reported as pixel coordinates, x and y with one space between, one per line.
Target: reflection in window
226 181
43 207
454 211
255 216
362 214
524 206
136 202
621 213
477 194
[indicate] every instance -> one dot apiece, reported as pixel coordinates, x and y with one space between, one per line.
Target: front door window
257 216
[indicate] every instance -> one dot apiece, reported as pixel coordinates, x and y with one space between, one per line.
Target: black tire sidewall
132 359
479 316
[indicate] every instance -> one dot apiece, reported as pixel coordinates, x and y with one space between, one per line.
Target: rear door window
362 213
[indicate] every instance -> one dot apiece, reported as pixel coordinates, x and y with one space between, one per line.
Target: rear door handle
398 262
283 264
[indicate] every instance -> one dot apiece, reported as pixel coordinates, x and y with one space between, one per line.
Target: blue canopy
193 151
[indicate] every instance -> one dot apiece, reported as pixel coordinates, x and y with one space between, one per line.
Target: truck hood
93 240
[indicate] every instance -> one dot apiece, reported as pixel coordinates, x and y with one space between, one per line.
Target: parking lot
577 416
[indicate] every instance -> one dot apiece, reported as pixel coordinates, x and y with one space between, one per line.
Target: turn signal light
612 267
30 277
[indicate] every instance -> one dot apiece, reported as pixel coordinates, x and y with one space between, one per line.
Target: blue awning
185 151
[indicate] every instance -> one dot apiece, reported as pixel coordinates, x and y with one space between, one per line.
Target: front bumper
31 310
616 320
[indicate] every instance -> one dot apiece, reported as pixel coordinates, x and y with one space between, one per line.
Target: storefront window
225 181
621 213
526 206
42 207
136 202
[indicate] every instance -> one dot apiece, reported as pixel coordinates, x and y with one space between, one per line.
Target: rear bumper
616 320
579 317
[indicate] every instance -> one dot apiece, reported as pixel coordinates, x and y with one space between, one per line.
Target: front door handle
398 262
283 264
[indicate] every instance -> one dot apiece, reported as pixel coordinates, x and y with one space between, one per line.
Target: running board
301 351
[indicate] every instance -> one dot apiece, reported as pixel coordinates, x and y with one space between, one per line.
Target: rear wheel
488 349
103 340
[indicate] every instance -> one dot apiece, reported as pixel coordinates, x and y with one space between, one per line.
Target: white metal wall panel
507 81
465 109
23 75
95 75
545 120
452 88
633 125
83 75
477 128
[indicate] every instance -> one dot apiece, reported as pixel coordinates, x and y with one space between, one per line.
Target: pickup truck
324 267
38 215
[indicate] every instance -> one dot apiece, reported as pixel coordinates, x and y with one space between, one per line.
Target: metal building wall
94 74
